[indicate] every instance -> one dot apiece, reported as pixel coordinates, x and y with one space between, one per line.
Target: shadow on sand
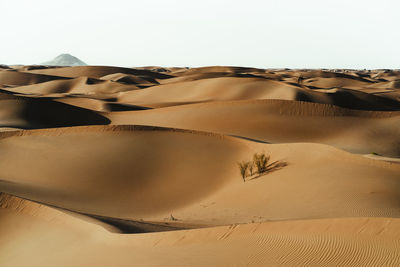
274 166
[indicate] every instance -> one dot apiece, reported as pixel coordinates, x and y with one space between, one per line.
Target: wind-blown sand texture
109 166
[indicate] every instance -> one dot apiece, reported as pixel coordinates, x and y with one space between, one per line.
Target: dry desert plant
251 168
260 161
259 165
243 167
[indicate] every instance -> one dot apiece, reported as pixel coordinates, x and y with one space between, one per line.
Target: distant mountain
65 60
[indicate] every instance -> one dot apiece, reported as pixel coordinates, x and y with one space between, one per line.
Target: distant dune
110 166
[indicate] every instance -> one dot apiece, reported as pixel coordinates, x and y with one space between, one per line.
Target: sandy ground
108 166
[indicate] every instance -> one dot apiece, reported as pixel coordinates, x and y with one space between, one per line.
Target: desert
207 166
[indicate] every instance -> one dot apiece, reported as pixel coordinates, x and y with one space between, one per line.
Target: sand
108 166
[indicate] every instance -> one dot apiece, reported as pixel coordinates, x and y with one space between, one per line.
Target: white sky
258 33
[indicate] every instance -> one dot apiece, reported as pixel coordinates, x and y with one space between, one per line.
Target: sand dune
11 77
109 166
169 188
221 69
97 72
101 105
275 121
135 184
31 113
349 241
130 79
233 88
81 85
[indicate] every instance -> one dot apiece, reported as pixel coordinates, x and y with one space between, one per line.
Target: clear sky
257 33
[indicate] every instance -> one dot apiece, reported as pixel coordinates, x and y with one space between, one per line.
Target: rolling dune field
112 166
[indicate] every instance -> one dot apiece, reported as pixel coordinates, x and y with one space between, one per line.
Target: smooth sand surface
109 166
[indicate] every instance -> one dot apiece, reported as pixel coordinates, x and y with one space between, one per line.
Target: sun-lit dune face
276 121
155 166
81 85
17 78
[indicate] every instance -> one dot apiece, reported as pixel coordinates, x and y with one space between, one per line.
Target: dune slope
152 184
275 121
74 242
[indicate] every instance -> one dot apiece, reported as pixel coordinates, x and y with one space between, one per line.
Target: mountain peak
65 60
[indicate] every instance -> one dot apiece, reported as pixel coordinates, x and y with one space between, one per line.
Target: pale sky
255 33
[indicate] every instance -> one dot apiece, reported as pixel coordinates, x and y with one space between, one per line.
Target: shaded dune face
101 166
31 113
112 172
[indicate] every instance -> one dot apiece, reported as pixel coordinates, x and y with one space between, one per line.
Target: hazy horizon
264 34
